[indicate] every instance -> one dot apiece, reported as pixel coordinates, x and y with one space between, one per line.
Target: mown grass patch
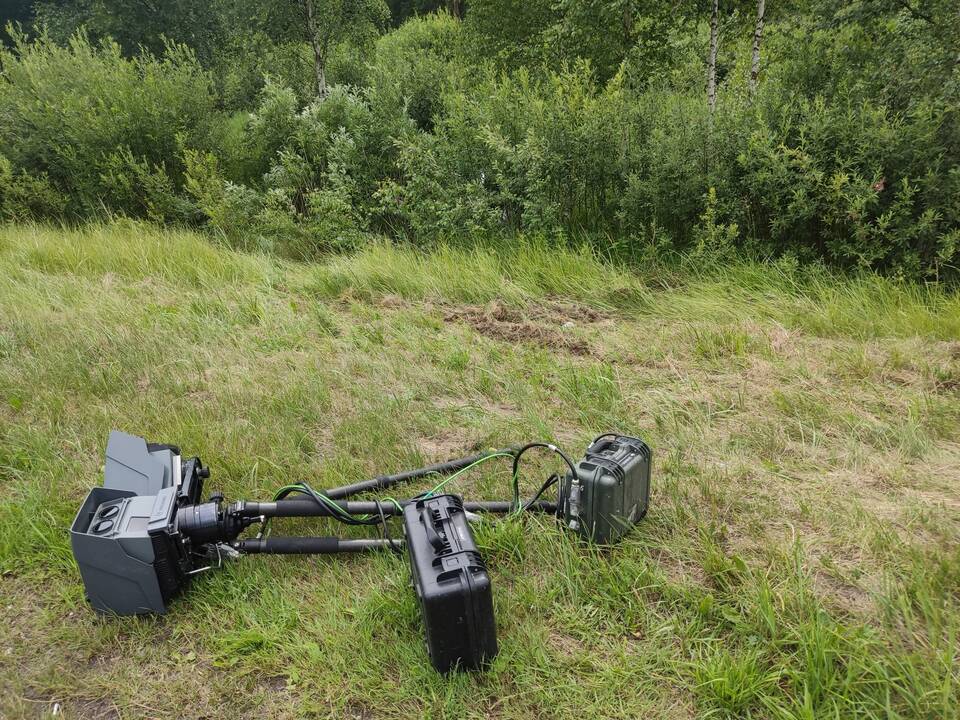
800 558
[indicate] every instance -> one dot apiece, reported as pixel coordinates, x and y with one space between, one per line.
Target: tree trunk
319 60
757 35
712 60
455 7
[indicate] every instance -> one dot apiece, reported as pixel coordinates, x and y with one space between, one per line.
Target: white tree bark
757 35
712 60
319 57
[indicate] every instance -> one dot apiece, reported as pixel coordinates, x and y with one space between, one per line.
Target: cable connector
573 506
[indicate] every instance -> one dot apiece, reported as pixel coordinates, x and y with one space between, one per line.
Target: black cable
552 480
343 516
516 466
337 513
308 508
384 481
385 529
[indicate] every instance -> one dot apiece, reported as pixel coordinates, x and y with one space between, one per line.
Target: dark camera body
128 555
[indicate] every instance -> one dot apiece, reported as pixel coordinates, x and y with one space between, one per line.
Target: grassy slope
800 557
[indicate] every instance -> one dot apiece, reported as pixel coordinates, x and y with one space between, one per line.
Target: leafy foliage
574 120
98 131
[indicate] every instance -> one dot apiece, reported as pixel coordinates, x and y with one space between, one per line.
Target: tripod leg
310 545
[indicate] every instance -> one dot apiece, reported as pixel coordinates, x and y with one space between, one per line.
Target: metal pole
310 508
384 481
311 545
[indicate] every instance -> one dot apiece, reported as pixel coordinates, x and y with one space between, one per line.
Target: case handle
433 537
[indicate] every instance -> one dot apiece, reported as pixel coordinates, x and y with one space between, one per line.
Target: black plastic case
452 584
611 491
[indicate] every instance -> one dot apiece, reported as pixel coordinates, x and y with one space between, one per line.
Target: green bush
565 120
307 175
517 154
413 65
854 183
849 182
672 154
100 131
27 197
250 57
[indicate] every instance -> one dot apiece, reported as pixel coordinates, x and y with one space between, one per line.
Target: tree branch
915 13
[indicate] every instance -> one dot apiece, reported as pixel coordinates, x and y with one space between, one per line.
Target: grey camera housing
124 537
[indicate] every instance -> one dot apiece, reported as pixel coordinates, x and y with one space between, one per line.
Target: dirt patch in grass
564 312
784 342
564 644
679 572
446 444
842 596
273 684
549 310
97 710
543 325
393 301
948 383
935 497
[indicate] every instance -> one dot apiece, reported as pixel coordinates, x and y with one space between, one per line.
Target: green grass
801 555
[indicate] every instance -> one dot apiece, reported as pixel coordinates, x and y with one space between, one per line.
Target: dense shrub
100 132
250 58
518 153
24 196
308 175
413 65
854 183
568 120
307 179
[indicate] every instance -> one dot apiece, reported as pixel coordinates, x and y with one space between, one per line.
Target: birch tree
755 59
712 57
330 22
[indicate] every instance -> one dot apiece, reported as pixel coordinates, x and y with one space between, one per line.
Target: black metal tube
309 508
502 507
311 545
384 481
